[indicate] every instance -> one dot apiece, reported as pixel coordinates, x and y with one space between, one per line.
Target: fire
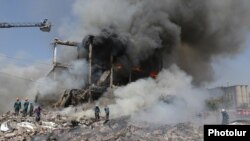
118 66
153 74
137 69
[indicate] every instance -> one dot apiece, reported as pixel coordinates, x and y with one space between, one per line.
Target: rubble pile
57 127
24 128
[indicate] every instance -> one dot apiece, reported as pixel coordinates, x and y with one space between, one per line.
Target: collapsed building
189 34
110 65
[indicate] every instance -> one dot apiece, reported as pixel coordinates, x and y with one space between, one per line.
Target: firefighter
38 113
97 113
25 107
106 109
225 117
31 109
17 106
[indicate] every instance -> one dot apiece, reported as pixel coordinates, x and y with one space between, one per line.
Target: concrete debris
49 125
60 128
5 127
26 125
240 122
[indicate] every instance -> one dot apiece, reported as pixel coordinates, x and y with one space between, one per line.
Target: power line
26 60
26 65
26 79
17 59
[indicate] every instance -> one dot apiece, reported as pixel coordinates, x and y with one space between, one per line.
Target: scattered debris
60 127
5 126
26 125
54 126
240 122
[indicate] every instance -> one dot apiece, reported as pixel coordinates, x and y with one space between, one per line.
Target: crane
44 26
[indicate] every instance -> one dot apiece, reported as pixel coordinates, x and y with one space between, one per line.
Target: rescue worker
106 109
31 109
25 107
38 113
17 106
225 117
97 113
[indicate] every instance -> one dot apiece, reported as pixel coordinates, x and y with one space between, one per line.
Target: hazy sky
31 44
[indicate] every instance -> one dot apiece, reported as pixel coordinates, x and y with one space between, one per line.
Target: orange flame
137 69
118 66
153 74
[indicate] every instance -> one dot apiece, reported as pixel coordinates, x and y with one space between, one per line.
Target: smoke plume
187 33
15 81
50 88
28 81
170 98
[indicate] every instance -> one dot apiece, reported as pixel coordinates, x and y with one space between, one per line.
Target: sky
235 70
32 45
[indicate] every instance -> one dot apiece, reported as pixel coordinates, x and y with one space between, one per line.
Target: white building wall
244 94
238 96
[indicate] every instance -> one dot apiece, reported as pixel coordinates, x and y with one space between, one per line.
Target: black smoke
189 33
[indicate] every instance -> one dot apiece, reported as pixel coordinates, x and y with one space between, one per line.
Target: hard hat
222 110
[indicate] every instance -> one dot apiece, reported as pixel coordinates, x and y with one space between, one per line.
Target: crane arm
44 25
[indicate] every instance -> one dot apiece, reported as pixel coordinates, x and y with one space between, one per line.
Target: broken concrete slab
5 126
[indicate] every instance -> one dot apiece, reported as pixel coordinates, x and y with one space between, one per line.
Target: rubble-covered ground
62 128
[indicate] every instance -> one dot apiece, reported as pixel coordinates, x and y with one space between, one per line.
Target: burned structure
110 64
189 34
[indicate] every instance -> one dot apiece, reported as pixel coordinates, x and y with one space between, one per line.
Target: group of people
28 108
98 111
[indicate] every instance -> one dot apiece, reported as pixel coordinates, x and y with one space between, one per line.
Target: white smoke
192 32
147 99
50 88
93 15
16 80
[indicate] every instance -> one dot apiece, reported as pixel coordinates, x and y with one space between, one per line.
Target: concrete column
238 96
90 100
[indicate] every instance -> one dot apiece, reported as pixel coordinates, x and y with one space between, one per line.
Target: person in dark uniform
106 109
25 107
225 117
97 113
17 106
